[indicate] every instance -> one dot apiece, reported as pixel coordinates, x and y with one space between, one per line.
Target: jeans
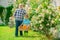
18 23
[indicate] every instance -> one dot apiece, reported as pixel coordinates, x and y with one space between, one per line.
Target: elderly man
19 16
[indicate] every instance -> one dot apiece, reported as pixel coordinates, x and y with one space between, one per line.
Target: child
26 24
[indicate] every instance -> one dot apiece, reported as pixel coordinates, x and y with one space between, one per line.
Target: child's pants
18 23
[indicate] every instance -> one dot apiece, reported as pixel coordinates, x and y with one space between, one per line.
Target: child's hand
20 27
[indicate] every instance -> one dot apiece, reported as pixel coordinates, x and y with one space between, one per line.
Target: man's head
21 6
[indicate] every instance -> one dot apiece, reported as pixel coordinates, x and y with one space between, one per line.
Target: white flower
57 16
59 13
36 21
47 11
52 21
50 13
41 25
40 21
42 15
40 28
37 18
49 7
43 10
31 23
37 10
47 24
49 17
55 19
39 15
53 14
59 19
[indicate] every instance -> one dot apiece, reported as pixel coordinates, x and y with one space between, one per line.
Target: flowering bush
45 17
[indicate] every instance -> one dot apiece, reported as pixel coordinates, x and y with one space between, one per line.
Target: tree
8 14
1 12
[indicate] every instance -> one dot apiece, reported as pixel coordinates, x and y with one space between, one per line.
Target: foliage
8 14
21 1
1 12
45 16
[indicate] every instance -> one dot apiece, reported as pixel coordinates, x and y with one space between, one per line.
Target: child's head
26 16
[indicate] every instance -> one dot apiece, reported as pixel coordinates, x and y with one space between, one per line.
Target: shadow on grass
29 36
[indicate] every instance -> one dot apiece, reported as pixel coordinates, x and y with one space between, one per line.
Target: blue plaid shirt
19 14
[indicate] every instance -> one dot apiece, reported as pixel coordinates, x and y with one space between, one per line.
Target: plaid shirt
19 14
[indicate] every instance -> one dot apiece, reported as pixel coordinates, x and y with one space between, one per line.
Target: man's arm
15 13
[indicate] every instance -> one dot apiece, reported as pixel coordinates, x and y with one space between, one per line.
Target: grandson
26 24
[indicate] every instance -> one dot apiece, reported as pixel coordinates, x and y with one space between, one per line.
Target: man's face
21 6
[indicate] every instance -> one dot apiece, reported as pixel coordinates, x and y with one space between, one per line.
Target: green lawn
7 33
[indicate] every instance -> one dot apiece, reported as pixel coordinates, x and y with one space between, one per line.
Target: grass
7 33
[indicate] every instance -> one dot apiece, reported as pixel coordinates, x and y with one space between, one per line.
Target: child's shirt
26 22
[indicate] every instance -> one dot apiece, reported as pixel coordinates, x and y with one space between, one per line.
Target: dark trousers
18 23
25 31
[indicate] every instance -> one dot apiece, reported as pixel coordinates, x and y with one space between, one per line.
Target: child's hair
26 15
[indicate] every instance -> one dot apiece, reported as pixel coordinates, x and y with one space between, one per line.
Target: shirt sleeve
15 13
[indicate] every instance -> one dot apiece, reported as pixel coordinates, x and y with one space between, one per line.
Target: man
19 16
